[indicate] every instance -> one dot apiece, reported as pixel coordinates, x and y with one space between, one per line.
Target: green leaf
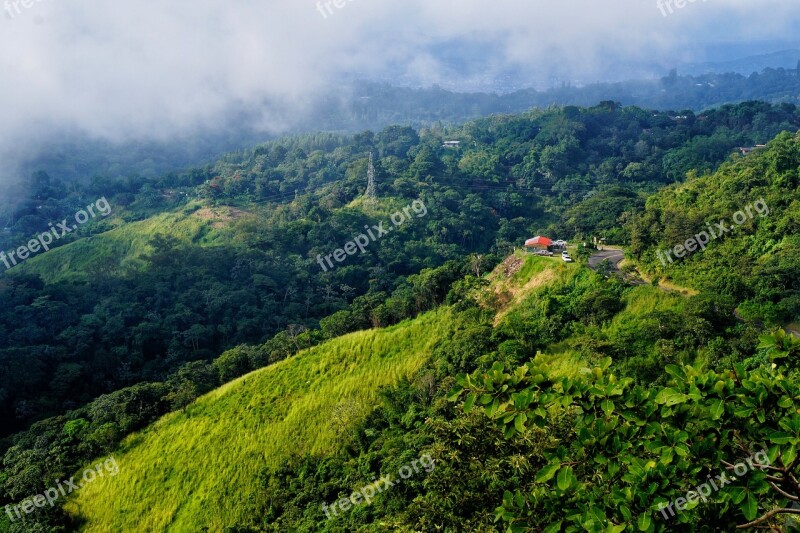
717 409
749 506
767 341
737 494
553 528
676 372
519 422
547 473
644 522
455 393
470 401
670 396
780 437
788 455
607 406
492 409
777 354
565 478
785 402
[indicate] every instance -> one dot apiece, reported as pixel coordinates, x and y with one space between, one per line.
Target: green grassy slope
199 468
126 244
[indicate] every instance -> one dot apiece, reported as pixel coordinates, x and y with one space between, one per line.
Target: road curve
614 256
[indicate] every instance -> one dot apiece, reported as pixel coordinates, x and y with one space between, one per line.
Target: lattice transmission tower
371 194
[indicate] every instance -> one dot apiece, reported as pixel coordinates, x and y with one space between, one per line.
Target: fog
151 70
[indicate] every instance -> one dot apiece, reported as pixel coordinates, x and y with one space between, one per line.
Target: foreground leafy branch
634 450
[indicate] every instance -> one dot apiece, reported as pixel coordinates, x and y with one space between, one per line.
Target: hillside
200 467
265 451
747 214
493 267
189 265
204 467
128 244
195 468
139 338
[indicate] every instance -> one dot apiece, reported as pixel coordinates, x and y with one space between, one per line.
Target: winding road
616 256
613 255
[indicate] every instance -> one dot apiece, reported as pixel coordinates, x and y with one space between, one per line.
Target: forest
201 277
357 106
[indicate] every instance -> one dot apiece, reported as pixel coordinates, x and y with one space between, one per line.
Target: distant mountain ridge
786 59
361 105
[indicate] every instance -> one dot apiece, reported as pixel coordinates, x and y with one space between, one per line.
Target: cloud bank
121 70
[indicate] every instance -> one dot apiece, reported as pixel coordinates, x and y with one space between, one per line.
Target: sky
130 70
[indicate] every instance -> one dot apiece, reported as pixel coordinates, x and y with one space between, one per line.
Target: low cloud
126 70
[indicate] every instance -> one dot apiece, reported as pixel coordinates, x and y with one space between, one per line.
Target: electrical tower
371 195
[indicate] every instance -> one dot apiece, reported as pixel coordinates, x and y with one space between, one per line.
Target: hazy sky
121 68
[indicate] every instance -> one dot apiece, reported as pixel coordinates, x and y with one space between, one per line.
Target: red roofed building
538 243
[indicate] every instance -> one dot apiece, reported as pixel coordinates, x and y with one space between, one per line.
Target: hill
746 215
358 106
202 278
675 402
207 466
199 468
151 287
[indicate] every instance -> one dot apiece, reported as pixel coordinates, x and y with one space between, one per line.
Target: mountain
202 467
783 59
208 466
746 217
174 253
203 330
357 105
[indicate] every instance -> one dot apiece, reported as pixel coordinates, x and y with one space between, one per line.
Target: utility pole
371 194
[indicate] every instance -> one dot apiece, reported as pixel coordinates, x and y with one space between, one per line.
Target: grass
199 468
645 299
521 275
533 265
668 285
122 246
562 361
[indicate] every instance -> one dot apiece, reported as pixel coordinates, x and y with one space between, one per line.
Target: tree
626 437
234 363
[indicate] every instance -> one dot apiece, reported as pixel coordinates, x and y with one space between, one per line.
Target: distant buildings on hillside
747 149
